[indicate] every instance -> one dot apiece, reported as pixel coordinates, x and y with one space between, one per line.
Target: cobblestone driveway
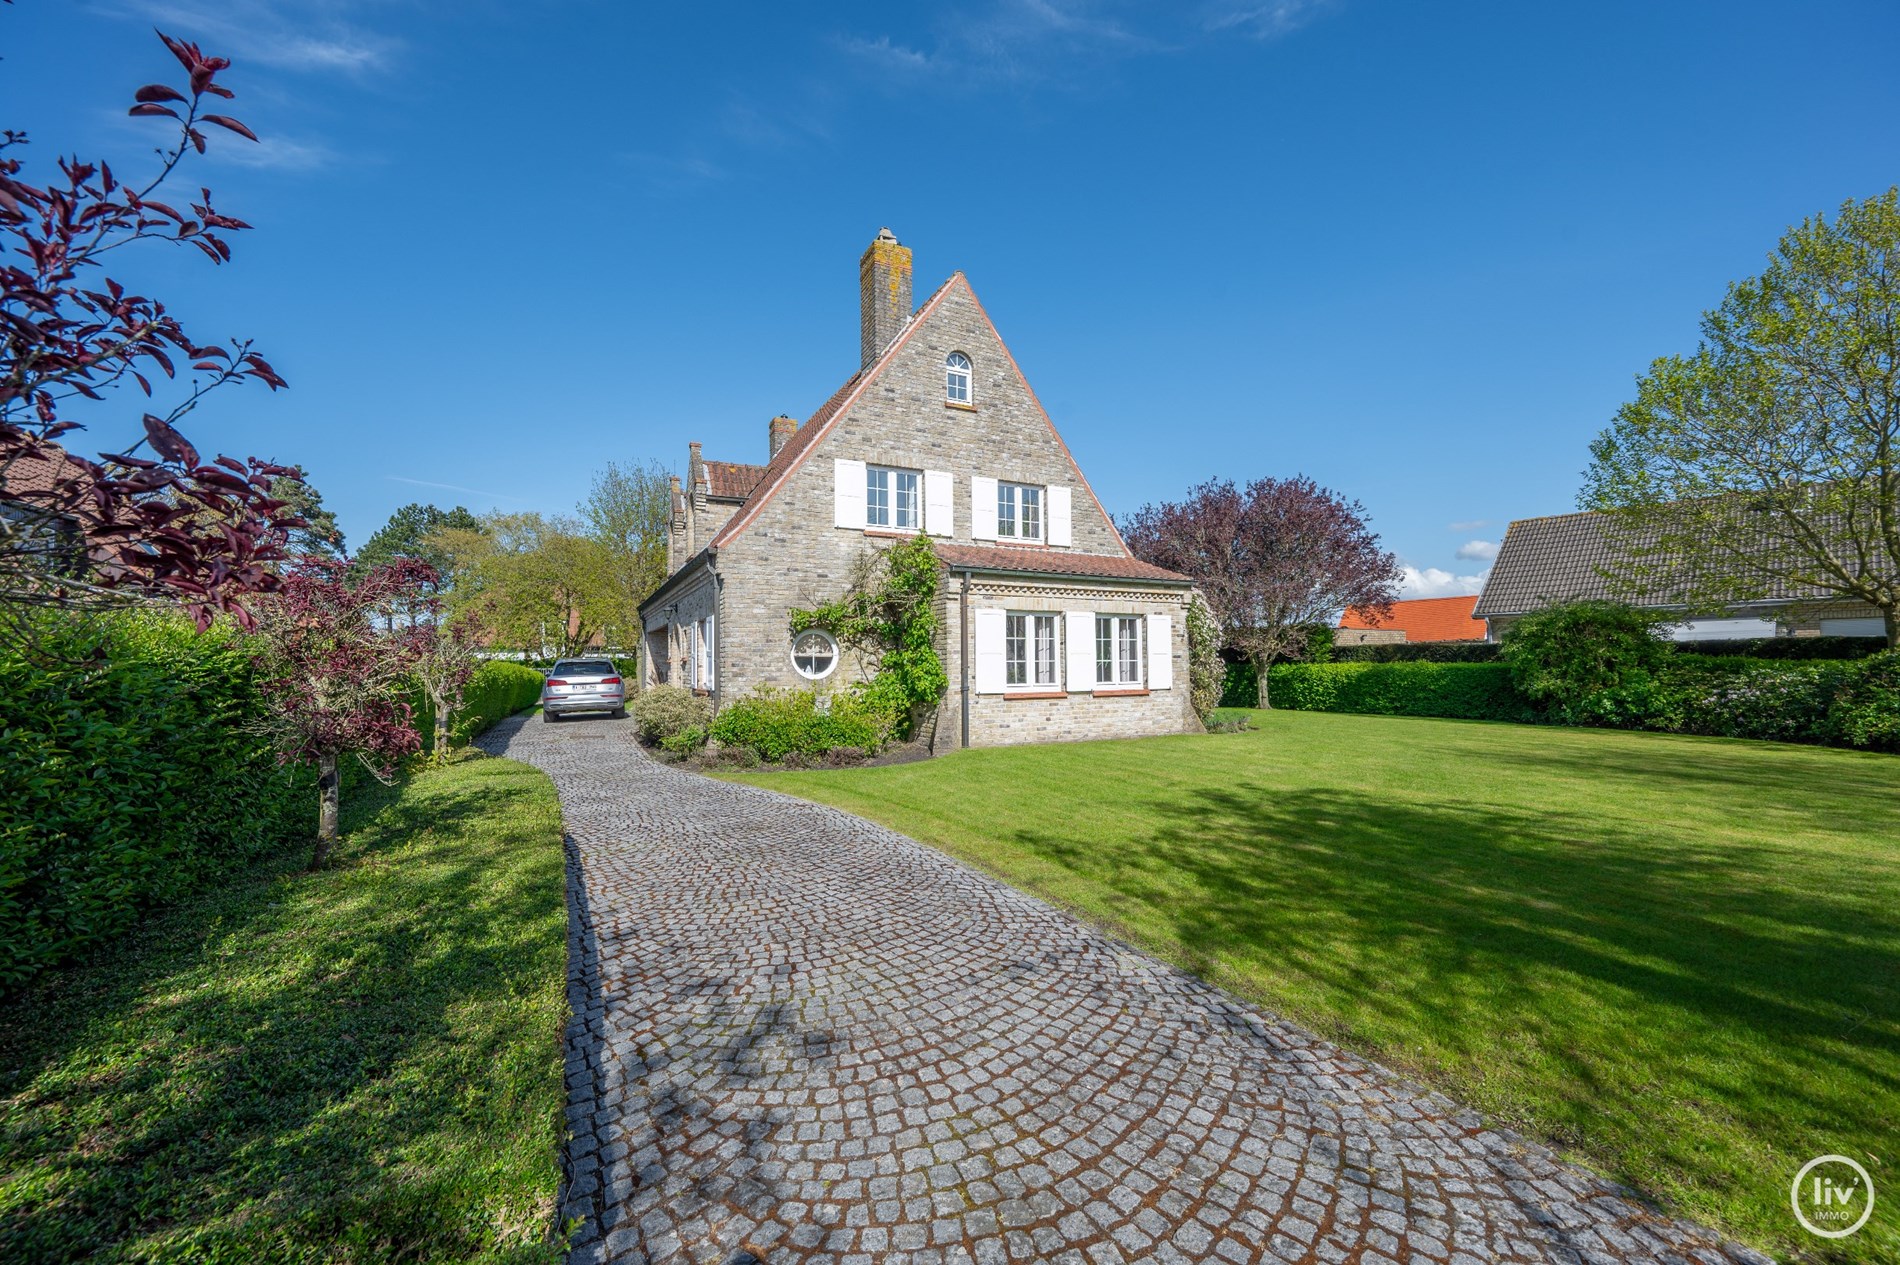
799 1036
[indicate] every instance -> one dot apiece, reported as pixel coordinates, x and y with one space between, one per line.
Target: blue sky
1417 251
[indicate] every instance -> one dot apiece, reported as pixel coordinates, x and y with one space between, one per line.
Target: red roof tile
1054 562
28 474
732 480
1425 619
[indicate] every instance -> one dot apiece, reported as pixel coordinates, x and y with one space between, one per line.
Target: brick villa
1051 628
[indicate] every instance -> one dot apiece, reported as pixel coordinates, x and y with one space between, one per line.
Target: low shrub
776 723
666 711
1419 652
1563 654
130 775
686 742
1469 691
1865 709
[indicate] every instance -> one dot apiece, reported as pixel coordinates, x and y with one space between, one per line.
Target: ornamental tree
1767 463
164 523
335 673
445 654
1274 560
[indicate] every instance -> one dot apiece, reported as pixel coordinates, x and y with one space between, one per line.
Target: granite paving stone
798 1036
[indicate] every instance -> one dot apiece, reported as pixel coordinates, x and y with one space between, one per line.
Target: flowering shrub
666 711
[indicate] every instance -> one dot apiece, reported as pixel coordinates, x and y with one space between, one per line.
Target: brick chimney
696 477
782 429
883 293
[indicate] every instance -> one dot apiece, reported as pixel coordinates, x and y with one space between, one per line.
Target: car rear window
584 667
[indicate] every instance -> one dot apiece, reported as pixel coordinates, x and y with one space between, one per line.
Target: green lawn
362 1064
1677 958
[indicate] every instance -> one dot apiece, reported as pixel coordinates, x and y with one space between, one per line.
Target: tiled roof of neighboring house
1425 619
1054 562
732 480
28 474
1561 558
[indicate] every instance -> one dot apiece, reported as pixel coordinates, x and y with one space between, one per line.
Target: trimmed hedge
1470 691
129 776
1419 652
1786 647
776 723
498 689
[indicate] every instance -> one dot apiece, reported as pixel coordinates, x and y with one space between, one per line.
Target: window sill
702 693
962 408
892 533
1015 694
1128 693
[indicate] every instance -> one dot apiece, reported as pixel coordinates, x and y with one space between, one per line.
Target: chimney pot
781 430
884 295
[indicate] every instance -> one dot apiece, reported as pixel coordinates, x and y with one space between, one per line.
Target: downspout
963 658
719 634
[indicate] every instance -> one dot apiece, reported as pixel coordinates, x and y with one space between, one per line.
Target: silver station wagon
583 685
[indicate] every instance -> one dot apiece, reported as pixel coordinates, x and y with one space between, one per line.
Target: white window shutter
988 626
1160 652
1060 530
982 508
940 503
1081 647
712 653
848 493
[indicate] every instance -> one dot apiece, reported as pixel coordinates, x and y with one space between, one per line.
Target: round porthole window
814 654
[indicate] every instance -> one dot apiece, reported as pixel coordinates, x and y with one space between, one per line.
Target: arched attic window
956 378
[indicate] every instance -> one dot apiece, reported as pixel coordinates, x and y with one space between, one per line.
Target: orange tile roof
732 480
1425 619
1053 562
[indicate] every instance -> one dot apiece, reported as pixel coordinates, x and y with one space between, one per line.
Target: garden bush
1865 709
1562 654
129 776
1469 691
776 723
666 711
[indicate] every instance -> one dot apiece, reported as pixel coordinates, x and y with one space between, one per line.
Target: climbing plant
888 614
1207 672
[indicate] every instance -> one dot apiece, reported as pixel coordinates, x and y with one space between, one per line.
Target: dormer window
956 378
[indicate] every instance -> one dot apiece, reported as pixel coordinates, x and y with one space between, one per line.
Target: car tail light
557 682
612 680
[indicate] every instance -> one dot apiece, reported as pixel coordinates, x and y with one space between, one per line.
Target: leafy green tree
407 535
627 511
1769 461
539 584
320 534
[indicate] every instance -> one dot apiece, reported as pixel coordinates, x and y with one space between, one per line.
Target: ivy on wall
888 615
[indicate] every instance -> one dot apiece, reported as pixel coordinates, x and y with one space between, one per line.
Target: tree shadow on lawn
1707 1011
297 1061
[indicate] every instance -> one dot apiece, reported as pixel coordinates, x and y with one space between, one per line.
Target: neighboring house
1050 628
31 486
1563 557
1416 619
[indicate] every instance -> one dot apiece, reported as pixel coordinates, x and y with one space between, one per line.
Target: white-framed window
956 378
1029 651
1018 511
892 498
703 653
815 654
1118 656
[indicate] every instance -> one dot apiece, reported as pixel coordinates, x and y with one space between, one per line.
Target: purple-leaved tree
1275 560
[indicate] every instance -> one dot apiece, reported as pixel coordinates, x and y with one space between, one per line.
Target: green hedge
128 777
775 723
1419 652
1471 691
498 690
1786 647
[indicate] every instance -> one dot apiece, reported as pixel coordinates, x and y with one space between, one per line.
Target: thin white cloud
289 34
1472 525
454 487
1265 19
275 153
1432 582
1478 551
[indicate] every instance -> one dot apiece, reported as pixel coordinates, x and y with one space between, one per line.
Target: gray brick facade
782 549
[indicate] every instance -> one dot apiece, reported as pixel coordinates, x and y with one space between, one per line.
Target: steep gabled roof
731 480
1054 562
792 455
1424 619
